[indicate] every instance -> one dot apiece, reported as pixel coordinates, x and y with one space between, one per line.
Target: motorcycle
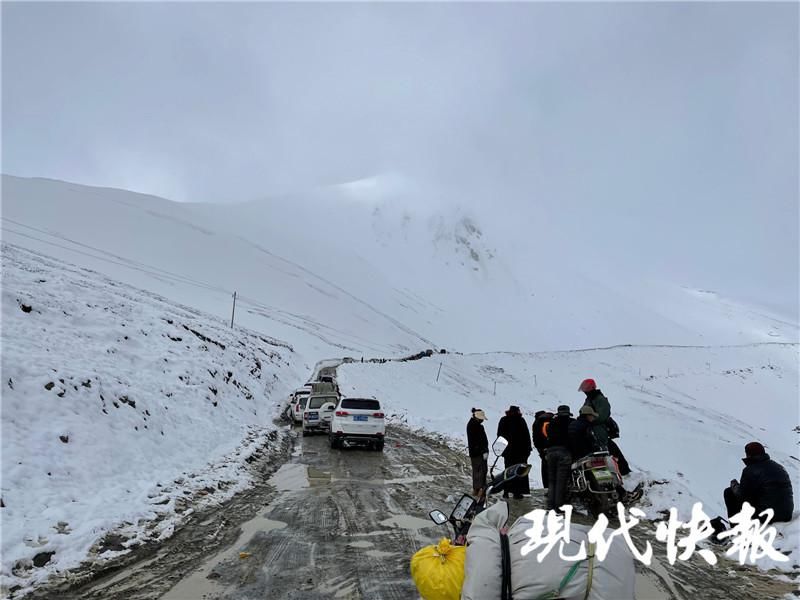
467 508
597 482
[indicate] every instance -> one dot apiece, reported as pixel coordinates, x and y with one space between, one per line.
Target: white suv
318 412
357 421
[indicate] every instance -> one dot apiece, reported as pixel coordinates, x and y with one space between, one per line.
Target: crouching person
765 484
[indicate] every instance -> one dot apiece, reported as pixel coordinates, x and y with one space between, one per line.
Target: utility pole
495 388
439 371
233 312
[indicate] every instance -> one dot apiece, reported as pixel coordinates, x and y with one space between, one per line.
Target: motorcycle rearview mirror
499 445
438 517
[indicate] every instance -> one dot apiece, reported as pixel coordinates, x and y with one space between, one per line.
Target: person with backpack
478 445
541 422
559 457
513 427
604 426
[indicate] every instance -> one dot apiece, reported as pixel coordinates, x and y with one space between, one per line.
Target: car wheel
334 443
379 446
305 433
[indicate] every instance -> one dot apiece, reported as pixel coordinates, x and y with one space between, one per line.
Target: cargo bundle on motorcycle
487 572
495 567
438 571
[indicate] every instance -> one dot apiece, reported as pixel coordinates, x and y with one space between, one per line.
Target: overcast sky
672 127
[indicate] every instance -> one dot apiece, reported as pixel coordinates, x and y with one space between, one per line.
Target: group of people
561 439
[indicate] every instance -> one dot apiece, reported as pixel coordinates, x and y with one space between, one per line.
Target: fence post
439 371
233 312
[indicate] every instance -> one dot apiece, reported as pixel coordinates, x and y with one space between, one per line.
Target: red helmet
587 385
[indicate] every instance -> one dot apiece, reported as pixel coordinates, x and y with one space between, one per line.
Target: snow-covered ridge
390 274
121 411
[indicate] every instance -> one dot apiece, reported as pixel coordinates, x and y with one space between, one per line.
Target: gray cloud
667 131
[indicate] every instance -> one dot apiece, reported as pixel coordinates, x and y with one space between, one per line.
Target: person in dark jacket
541 422
601 405
582 442
559 457
478 446
765 484
514 428
580 434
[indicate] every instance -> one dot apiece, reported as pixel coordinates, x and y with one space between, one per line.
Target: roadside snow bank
120 410
685 414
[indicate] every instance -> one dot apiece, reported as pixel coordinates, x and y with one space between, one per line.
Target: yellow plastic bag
438 571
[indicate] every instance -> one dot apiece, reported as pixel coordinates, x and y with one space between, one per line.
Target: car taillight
378 415
379 434
342 413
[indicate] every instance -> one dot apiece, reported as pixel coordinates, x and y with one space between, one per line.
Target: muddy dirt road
336 524
344 524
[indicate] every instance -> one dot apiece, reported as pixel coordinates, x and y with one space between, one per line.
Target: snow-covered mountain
111 295
376 266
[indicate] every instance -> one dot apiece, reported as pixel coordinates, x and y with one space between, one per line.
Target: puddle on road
317 477
292 477
369 533
407 522
361 544
417 479
197 585
381 482
379 553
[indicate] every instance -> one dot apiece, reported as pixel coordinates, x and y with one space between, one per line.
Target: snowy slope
118 406
685 414
376 267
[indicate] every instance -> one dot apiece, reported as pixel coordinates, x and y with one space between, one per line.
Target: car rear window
302 401
361 403
318 401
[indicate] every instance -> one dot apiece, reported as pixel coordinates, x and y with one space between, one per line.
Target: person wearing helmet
604 427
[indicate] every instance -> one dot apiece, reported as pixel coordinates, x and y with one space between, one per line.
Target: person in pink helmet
605 429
